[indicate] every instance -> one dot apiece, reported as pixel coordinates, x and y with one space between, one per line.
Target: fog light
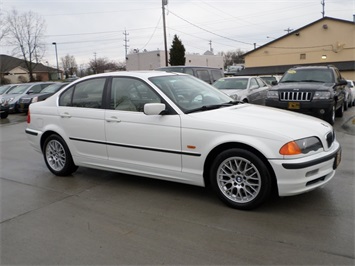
321 111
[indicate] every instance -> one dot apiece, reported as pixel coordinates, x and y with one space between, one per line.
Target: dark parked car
313 90
208 74
20 90
25 101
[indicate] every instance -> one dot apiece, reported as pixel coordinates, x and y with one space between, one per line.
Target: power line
224 37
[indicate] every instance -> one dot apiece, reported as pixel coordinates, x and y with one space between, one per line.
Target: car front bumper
315 107
305 174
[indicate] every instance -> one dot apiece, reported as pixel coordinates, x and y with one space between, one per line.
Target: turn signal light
290 148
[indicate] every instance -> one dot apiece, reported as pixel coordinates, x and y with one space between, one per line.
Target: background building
327 41
155 59
13 70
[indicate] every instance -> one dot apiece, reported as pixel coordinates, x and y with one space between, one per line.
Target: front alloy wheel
240 179
57 156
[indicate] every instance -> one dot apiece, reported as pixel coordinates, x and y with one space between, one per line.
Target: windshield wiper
312 80
213 106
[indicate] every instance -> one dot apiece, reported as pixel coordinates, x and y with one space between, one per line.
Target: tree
232 57
177 53
26 33
101 65
69 65
4 29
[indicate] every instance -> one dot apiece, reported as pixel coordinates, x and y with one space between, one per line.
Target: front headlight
301 146
272 94
10 100
234 96
321 95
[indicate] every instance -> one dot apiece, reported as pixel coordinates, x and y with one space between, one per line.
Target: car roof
238 77
141 74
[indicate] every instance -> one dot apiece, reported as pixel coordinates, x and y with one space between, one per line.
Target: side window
36 89
129 94
189 71
203 74
216 74
253 83
261 82
86 94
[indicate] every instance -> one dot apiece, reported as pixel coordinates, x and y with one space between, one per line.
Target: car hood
262 121
302 85
233 92
9 96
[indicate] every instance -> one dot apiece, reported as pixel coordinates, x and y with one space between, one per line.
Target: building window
302 56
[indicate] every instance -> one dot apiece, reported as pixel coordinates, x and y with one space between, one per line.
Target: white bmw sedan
176 127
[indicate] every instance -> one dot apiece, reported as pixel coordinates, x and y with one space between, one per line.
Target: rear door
82 118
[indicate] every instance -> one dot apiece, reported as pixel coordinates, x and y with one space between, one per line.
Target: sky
87 29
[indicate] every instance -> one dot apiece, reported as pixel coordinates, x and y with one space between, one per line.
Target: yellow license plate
293 105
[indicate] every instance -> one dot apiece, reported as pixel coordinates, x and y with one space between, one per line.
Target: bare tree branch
26 33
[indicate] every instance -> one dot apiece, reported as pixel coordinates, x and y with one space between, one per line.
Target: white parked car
244 88
351 85
176 127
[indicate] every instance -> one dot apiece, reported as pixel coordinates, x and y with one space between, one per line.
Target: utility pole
125 43
164 3
323 7
95 63
210 43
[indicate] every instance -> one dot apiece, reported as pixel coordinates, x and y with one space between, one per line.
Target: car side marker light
191 147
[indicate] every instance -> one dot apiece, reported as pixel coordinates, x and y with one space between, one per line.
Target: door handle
113 119
65 115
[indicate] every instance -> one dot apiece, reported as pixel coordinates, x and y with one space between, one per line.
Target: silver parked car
244 88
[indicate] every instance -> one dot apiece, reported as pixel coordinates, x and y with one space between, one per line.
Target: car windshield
4 88
231 84
308 75
19 89
53 88
191 94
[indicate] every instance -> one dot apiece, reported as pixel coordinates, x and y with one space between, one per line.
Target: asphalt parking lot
102 218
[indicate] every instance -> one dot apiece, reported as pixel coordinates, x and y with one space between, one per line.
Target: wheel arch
45 135
229 145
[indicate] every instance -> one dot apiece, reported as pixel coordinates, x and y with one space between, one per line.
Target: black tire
4 115
330 115
57 156
340 111
346 106
240 179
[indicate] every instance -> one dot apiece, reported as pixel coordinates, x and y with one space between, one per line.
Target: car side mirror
254 87
154 108
30 91
274 82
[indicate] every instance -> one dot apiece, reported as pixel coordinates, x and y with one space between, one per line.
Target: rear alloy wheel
240 179
57 156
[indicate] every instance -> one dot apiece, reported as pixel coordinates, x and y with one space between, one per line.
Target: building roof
293 32
342 66
7 63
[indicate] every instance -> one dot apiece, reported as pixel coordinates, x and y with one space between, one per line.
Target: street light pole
164 3
56 55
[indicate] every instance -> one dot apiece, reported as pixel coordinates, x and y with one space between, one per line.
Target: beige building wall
326 40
